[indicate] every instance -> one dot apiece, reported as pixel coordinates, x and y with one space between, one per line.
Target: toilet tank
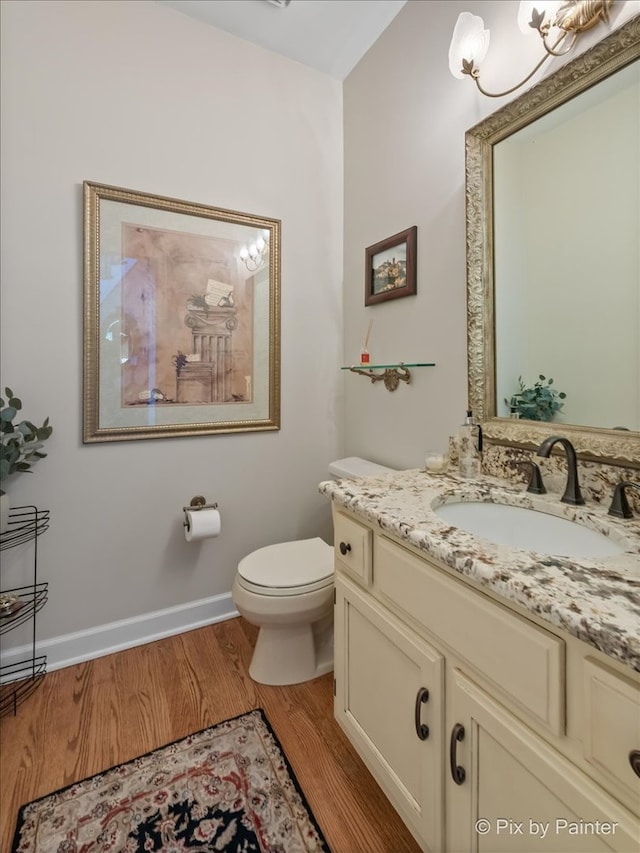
354 466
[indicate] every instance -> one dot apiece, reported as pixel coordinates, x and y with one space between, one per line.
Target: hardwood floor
88 717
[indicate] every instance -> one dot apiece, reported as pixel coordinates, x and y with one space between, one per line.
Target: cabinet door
389 701
515 793
611 736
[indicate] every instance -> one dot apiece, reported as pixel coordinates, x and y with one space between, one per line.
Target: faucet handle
619 504
535 486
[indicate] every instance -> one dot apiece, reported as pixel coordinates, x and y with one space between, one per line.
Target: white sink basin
529 529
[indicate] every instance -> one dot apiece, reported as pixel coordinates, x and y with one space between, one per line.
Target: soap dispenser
470 448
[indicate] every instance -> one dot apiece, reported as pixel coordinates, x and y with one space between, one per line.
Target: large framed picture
181 318
390 267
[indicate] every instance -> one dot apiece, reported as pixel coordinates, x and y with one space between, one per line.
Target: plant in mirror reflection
538 402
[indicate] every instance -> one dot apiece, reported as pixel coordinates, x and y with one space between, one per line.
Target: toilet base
291 654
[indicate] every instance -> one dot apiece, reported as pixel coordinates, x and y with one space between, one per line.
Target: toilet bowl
286 590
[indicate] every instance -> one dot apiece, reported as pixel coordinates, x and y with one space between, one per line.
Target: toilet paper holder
196 503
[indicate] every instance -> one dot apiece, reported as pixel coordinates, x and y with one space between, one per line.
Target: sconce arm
468 66
475 76
551 51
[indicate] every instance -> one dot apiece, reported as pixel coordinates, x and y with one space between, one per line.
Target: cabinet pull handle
457 772
344 548
634 761
421 730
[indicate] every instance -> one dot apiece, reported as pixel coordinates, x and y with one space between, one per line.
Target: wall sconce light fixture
254 255
558 24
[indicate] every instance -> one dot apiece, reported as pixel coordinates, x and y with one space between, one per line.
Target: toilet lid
286 566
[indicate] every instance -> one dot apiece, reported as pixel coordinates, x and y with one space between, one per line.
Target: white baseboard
113 637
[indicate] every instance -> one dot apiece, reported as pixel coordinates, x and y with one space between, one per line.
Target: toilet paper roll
201 524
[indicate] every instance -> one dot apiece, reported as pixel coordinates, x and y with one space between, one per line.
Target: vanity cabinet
530 733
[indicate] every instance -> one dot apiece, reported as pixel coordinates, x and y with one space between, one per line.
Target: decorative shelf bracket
392 374
391 377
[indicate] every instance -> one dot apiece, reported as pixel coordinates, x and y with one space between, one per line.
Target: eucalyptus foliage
539 402
20 443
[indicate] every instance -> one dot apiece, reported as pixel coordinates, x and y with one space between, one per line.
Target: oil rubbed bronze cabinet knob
344 548
634 761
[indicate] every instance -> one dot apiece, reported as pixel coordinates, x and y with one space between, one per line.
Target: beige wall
137 95
405 118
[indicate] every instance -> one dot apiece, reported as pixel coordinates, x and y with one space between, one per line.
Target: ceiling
328 35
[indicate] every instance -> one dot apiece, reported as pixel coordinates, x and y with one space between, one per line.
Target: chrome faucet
572 494
620 505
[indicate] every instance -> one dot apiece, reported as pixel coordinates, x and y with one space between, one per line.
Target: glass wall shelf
392 374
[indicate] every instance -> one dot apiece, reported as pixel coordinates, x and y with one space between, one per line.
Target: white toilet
286 590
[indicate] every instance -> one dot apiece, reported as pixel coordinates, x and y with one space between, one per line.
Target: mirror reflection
567 261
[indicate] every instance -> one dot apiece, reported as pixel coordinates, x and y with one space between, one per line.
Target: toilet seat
288 568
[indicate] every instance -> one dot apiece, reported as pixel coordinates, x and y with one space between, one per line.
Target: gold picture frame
181 318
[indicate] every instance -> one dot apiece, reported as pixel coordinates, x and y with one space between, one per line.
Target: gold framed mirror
592 433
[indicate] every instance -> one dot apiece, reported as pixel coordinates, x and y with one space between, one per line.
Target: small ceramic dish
8 602
436 461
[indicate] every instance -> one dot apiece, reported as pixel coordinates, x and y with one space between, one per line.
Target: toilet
286 590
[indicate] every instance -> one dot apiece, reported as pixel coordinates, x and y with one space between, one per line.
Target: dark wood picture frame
390 267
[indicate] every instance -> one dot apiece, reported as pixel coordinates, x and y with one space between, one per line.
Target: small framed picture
390 268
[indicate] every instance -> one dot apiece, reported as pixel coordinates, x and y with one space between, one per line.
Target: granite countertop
595 600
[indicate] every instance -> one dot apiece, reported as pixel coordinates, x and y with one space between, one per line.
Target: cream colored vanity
488 727
494 692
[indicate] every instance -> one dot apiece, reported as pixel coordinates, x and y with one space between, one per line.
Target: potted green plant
539 402
20 447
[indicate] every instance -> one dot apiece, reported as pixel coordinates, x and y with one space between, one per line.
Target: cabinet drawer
352 548
525 663
611 724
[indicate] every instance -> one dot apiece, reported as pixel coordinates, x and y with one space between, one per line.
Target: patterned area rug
227 788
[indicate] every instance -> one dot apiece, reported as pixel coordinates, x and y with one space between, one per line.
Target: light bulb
470 41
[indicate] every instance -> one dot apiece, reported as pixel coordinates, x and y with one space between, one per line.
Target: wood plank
91 716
